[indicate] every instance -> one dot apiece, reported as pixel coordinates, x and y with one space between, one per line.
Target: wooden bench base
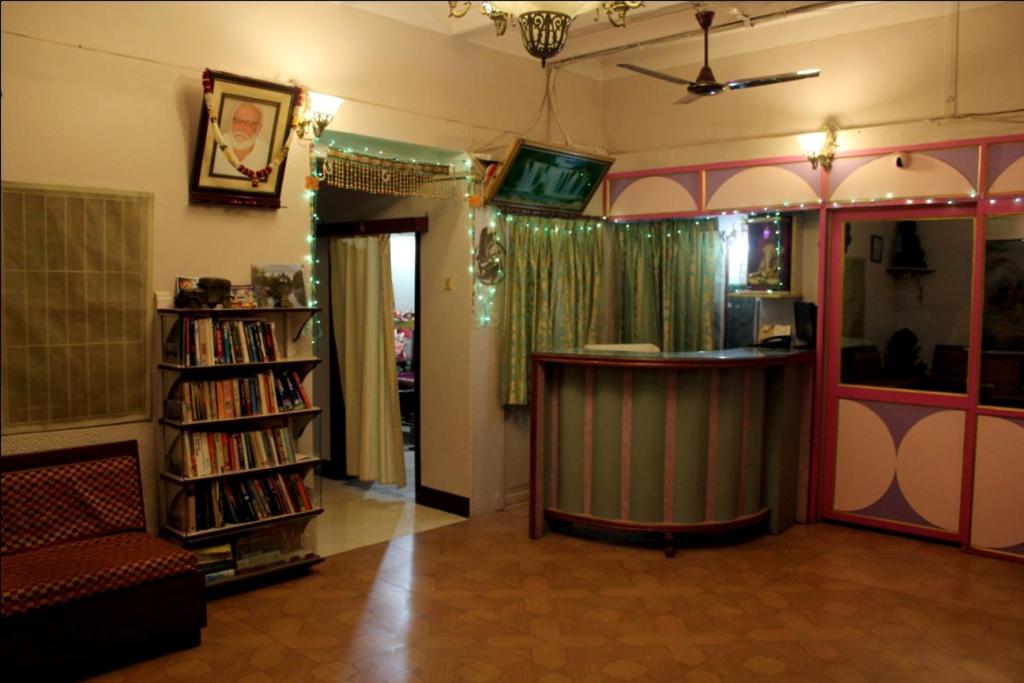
105 631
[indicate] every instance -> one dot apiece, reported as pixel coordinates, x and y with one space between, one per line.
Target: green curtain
670 283
553 292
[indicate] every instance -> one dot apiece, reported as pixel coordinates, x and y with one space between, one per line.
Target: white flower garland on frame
229 153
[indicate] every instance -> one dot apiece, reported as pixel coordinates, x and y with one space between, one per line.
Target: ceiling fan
706 84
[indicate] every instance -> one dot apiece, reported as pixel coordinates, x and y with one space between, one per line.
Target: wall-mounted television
543 177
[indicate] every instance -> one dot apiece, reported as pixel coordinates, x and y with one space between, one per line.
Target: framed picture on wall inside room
877 241
769 252
242 141
537 175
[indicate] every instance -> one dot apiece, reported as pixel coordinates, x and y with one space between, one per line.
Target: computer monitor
805 324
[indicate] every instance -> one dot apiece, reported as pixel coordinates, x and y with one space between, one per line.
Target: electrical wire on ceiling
744 20
548 99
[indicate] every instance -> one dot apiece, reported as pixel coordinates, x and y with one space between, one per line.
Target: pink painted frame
823 435
834 391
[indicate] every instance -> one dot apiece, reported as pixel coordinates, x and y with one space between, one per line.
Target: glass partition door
898 400
1002 325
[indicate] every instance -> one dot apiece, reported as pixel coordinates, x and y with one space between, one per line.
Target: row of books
236 501
205 341
215 559
218 562
265 393
200 454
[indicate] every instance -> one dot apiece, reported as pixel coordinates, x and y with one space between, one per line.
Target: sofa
84 587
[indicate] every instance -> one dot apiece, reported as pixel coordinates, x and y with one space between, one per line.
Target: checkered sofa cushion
47 505
58 574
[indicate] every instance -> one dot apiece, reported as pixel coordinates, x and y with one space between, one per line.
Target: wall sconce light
819 147
320 111
544 25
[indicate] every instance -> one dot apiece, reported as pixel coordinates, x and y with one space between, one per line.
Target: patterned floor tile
479 602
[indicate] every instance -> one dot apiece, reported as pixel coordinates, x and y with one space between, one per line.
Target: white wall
108 95
884 86
403 271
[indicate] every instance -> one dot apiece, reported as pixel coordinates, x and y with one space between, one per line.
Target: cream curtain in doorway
362 305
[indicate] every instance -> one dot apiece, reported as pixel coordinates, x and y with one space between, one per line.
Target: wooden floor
479 602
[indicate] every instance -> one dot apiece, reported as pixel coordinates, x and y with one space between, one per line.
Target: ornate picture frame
255 119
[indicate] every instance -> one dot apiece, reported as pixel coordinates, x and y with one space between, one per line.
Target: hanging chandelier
544 26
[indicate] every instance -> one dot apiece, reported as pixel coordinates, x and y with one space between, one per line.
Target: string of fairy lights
312 191
485 292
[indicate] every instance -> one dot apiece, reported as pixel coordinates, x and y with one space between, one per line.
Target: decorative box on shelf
235 487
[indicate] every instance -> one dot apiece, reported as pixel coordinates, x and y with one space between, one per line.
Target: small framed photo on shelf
877 243
186 292
254 120
184 283
769 253
242 296
279 285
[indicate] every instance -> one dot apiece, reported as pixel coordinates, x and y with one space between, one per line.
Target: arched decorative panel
900 463
928 175
997 522
1006 168
653 195
760 186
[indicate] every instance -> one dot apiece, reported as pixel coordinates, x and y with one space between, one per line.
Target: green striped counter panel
670 442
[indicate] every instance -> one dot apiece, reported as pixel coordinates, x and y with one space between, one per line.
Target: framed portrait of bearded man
245 130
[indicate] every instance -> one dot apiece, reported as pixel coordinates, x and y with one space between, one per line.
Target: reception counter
670 442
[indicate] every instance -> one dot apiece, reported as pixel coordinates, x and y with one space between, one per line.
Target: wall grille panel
76 320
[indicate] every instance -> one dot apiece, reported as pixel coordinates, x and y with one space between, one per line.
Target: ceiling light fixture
544 25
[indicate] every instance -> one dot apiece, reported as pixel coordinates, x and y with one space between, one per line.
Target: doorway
401 237
360 512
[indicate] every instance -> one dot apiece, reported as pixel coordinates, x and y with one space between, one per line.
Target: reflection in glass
1002 330
907 304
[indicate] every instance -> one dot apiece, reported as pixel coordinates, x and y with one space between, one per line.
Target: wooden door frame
391 226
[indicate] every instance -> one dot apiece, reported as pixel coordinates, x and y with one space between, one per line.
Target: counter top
746 356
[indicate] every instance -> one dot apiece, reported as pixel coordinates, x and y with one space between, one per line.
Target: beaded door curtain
386 176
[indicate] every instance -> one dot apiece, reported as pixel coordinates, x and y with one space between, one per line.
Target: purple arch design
899 418
688 181
963 159
1001 156
802 170
691 183
843 168
716 178
1015 549
892 505
618 186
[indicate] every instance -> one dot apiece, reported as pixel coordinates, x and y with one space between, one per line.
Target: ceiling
664 34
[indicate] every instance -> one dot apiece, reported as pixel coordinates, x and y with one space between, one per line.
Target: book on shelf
301 389
220 575
200 454
256 560
270 545
197 340
213 554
